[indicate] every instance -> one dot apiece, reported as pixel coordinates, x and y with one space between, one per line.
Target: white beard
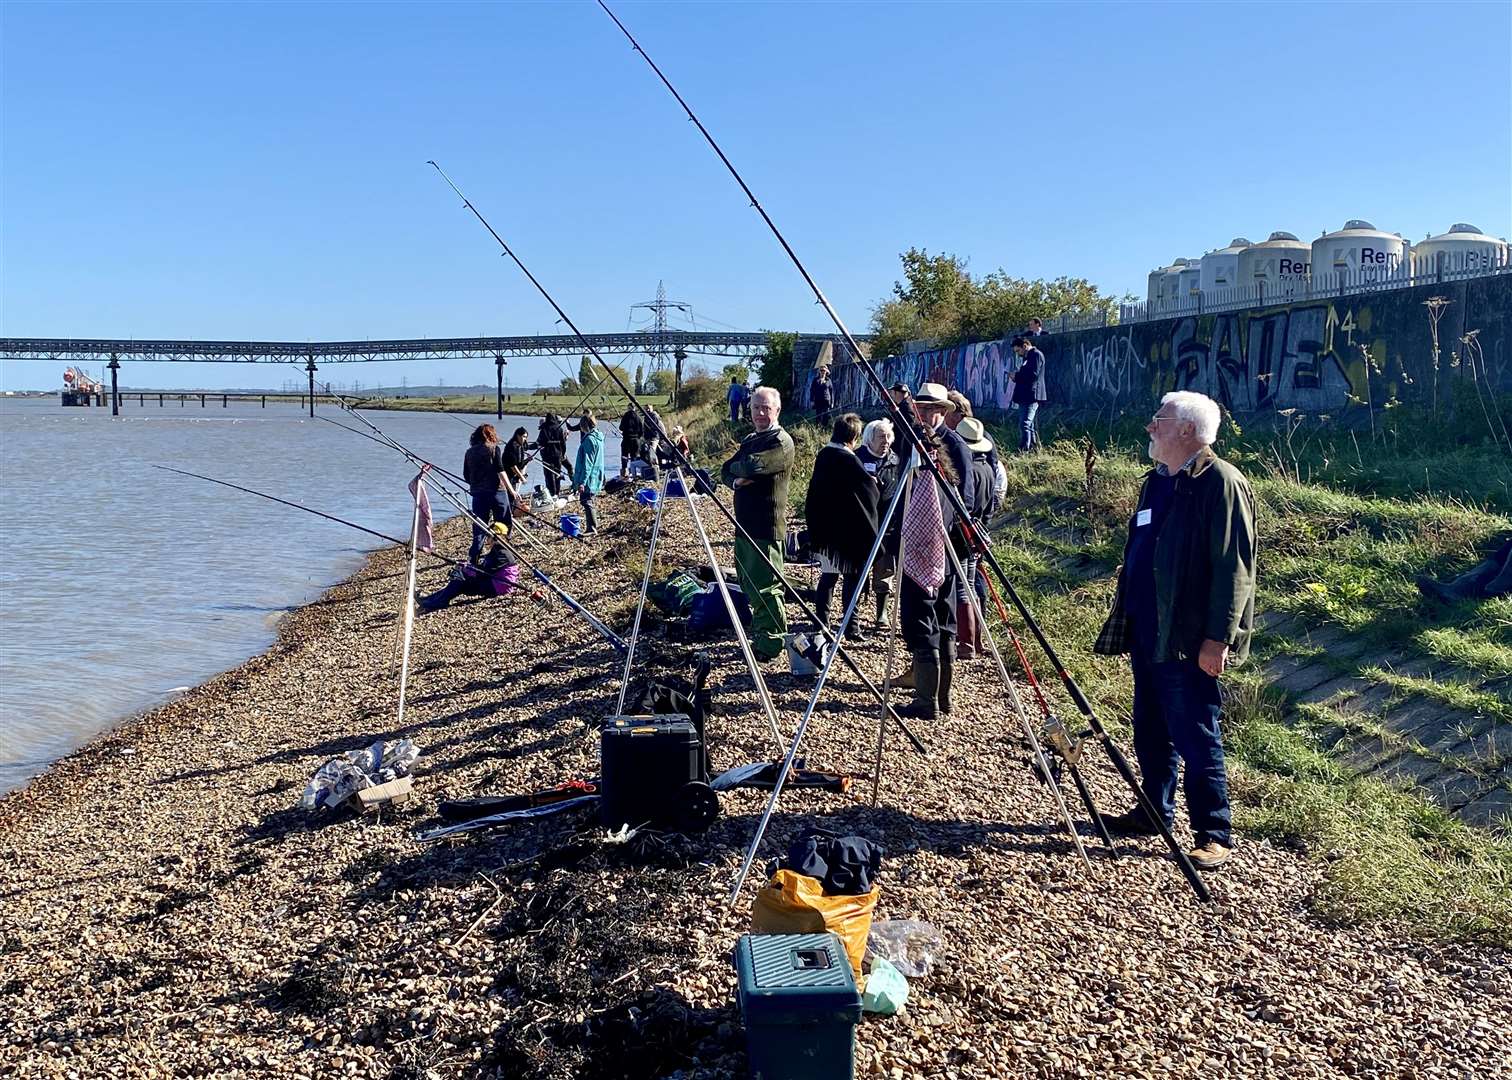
1151 451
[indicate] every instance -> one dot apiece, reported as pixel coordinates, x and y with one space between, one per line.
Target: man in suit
1029 391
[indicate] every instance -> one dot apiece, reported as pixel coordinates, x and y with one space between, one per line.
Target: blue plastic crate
800 1004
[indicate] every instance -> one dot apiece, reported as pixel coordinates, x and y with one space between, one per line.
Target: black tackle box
651 773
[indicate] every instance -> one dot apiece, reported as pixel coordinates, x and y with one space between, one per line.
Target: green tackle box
800 1005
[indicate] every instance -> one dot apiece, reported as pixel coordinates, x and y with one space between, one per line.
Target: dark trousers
589 518
734 412
924 620
826 591
1176 708
489 507
551 468
443 596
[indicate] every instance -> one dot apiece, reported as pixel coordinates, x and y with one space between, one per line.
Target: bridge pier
310 368
115 390
499 363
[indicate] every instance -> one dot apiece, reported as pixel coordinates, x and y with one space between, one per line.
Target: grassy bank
483 405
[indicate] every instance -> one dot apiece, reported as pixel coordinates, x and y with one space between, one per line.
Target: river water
121 584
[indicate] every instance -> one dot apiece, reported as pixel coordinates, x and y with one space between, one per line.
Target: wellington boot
905 678
881 608
947 673
926 668
966 637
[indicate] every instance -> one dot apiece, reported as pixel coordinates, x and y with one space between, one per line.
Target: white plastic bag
886 989
342 777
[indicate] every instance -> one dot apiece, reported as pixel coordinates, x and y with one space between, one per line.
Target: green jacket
766 458
1204 567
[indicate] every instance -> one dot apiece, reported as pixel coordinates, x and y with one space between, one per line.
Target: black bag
667 694
844 865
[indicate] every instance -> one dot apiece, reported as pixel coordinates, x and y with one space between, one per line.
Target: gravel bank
165 910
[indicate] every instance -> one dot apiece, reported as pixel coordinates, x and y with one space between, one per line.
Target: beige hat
932 393
975 435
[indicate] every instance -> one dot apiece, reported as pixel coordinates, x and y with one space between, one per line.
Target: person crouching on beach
588 475
483 469
496 575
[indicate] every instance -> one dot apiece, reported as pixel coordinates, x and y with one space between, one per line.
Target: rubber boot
881 598
926 670
947 672
905 678
966 644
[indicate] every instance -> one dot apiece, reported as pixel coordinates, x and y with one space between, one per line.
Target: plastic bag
806 655
342 777
794 904
886 989
909 945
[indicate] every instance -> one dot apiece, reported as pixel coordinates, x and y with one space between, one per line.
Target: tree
586 377
940 301
777 362
640 375
570 385
734 371
660 382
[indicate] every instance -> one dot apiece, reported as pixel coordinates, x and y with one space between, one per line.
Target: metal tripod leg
1040 760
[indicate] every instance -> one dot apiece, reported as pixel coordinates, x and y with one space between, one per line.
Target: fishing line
977 544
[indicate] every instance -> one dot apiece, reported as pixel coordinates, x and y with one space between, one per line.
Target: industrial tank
1463 247
1188 283
1360 252
1220 269
1277 266
1165 284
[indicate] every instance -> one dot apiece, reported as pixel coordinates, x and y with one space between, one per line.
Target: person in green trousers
759 474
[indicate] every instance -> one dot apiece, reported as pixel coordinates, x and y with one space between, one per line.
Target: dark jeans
589 519
551 468
925 620
1176 708
734 412
489 507
443 596
1026 424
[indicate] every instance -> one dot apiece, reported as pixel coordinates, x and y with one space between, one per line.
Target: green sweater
766 459
1204 566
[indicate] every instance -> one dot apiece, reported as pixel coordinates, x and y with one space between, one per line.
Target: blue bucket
646 496
572 525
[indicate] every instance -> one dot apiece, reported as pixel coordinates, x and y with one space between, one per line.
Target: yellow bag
793 903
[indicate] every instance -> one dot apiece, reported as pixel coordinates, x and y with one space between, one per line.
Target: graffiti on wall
1304 356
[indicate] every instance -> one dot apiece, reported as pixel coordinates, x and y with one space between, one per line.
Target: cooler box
646 765
800 1005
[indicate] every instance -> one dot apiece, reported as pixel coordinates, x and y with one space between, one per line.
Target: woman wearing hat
841 511
496 575
983 481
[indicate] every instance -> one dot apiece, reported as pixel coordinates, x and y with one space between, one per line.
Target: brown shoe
1210 856
905 679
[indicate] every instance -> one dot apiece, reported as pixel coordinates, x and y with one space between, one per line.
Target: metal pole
409 599
499 396
893 630
829 662
729 603
661 503
115 391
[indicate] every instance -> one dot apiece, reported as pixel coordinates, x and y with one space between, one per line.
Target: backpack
675 595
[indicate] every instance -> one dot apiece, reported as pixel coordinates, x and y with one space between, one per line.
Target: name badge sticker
1141 518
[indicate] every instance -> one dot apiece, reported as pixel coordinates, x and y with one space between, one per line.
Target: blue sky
258 171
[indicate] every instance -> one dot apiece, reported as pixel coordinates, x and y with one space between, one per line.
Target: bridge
83 350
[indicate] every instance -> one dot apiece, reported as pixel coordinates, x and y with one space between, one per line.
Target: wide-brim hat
899 387
932 393
974 434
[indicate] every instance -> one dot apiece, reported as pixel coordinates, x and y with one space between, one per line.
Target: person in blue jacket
737 398
588 472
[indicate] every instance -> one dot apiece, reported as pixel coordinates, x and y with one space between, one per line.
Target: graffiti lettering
1109 367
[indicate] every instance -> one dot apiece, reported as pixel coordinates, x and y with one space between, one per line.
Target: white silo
1463 247
1357 252
1277 266
1152 291
1220 269
1165 284
1188 284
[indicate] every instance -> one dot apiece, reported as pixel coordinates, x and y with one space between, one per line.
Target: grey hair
883 425
1199 410
768 390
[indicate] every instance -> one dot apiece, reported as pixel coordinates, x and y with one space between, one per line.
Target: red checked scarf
924 535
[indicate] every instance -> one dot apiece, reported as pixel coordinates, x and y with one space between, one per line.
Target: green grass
604 405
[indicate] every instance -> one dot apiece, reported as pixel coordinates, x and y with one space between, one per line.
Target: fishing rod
685 463
567 598
978 545
442 559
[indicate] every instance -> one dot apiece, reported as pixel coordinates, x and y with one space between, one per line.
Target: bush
700 390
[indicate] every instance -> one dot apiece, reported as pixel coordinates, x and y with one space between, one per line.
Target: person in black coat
841 511
822 394
631 430
1029 391
876 456
514 457
551 440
